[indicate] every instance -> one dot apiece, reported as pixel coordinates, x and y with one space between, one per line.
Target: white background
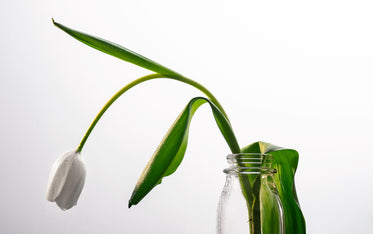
293 73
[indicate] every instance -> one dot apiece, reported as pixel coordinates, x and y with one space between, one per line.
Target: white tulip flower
66 180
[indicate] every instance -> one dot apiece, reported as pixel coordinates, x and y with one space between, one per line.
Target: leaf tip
129 204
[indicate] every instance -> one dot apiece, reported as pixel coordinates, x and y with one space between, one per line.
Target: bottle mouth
250 163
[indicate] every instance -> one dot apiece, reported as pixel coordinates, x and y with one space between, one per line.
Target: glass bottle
249 202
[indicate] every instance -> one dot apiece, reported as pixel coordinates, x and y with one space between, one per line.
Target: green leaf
118 51
171 150
285 161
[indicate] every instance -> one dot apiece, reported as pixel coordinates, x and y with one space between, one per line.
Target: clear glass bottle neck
249 202
249 163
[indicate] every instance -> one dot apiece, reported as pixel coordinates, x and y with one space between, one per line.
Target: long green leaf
171 150
125 54
285 161
118 51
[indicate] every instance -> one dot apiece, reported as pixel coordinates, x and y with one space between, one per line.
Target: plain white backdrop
294 73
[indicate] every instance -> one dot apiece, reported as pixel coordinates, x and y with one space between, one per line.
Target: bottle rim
249 157
250 163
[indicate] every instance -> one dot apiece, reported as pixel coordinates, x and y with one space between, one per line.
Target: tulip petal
58 174
73 186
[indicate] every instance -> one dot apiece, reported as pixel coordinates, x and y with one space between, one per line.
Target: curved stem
138 81
203 90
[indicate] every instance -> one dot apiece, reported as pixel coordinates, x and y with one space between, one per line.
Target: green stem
138 81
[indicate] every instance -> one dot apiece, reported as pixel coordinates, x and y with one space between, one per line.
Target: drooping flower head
66 180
